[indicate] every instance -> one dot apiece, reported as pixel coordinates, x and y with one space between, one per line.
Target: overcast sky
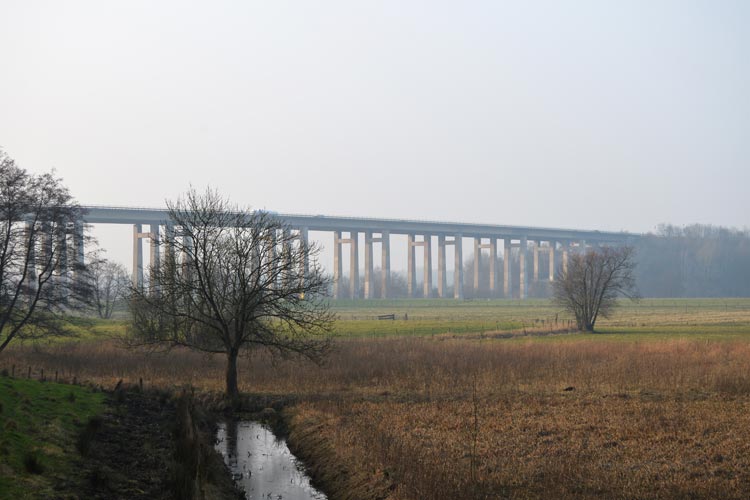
602 115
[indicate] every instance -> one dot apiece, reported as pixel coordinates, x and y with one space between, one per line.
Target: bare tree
593 282
110 283
38 277
232 280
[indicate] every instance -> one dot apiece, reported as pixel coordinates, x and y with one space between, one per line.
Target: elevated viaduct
532 243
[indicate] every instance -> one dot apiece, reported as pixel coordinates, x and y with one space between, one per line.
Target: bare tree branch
232 279
593 283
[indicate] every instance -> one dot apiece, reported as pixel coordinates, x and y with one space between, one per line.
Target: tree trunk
232 390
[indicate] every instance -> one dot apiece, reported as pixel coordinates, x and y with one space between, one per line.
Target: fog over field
595 115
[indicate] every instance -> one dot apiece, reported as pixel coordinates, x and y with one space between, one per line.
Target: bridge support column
493 267
536 260
552 261
582 247
477 263
441 284
63 262
155 258
427 282
304 242
337 265
368 265
565 252
187 256
354 265
458 269
523 283
507 268
411 280
169 254
78 239
137 256
31 277
385 263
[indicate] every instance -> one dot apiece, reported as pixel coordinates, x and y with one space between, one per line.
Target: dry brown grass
453 418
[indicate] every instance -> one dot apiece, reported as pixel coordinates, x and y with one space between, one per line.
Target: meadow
489 399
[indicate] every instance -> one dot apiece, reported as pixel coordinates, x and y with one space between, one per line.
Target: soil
132 454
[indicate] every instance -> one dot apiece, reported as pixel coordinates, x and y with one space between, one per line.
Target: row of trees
694 261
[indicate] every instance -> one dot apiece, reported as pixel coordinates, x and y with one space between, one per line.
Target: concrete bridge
554 244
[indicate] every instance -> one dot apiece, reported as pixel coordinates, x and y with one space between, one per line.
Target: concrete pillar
187 257
169 236
523 274
458 269
155 258
137 256
46 250
354 265
427 282
30 239
493 267
507 269
411 281
441 284
477 261
536 261
582 247
368 265
78 241
552 261
286 258
337 264
304 242
385 263
63 262
565 252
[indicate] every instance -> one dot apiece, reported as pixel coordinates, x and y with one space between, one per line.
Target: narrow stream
262 464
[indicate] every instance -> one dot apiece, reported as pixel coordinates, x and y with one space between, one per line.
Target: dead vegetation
423 418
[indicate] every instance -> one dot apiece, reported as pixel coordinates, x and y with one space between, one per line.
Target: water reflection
263 464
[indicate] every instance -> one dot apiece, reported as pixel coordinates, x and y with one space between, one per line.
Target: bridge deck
131 215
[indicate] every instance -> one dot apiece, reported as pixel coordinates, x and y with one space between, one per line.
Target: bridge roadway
555 243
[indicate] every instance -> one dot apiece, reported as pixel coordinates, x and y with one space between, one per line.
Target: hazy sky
596 115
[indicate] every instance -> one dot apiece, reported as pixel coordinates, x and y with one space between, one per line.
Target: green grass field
646 319
717 318
39 425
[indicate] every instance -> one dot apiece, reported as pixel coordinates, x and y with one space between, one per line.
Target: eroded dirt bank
149 445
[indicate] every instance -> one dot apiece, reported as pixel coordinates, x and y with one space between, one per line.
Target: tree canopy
233 279
593 281
40 225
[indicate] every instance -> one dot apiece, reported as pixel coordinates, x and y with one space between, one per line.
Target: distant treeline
694 261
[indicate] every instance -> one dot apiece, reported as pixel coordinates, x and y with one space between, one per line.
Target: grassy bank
40 423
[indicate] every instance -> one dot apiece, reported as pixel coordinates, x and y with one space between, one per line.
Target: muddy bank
148 445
